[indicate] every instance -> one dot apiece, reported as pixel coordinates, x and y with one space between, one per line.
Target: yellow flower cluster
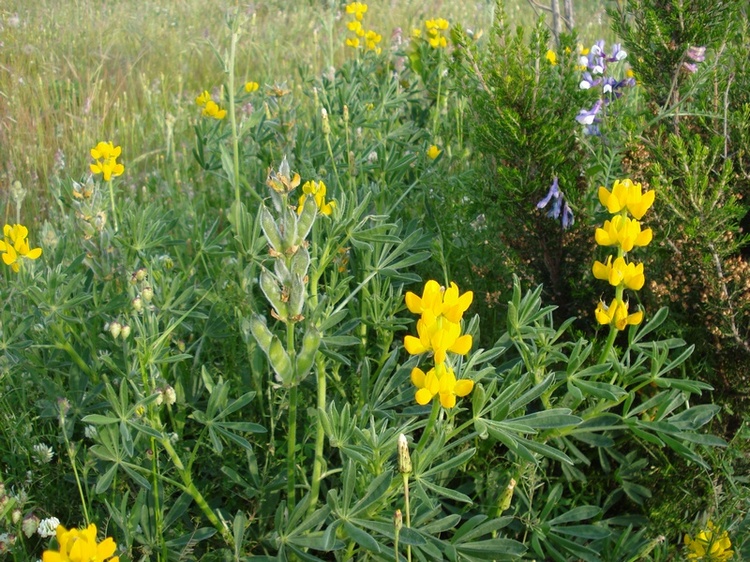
710 545
551 56
625 233
433 152
361 37
434 35
15 246
106 155
318 192
210 107
79 545
439 330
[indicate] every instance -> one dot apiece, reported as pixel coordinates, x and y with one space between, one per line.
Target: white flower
90 431
43 453
47 527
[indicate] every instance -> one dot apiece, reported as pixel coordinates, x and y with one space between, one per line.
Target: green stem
71 456
437 99
292 437
158 515
233 116
407 509
320 433
333 160
428 428
112 203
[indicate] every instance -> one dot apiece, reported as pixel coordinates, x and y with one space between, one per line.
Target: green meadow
393 281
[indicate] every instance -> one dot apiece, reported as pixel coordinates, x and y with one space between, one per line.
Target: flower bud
326 124
30 525
404 460
138 304
147 294
398 520
159 397
16 516
125 333
170 396
114 329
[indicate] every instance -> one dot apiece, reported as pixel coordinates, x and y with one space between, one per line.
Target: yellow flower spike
629 274
318 192
203 99
626 195
213 110
624 232
15 246
251 87
431 299
450 388
709 545
433 152
80 546
551 56
427 385
454 305
616 314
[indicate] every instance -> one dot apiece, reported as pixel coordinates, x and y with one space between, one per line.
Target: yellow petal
462 345
417 377
414 346
463 387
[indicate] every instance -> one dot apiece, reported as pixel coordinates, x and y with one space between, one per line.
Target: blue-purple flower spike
559 205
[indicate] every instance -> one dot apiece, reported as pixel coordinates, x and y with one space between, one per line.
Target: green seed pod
260 332
270 287
300 262
289 230
507 496
306 219
271 230
281 363
282 272
306 356
297 295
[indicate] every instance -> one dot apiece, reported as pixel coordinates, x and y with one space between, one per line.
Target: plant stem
428 427
407 509
112 203
320 435
71 456
292 437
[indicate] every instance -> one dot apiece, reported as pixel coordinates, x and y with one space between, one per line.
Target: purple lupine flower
587 81
696 54
617 54
559 205
568 219
554 192
597 48
609 85
585 117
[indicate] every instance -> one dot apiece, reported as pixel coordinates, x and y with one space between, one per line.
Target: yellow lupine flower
551 56
616 314
433 152
626 195
709 545
106 154
623 231
438 335
440 302
212 109
81 546
318 192
371 41
356 8
203 99
352 42
439 381
617 272
15 246
251 87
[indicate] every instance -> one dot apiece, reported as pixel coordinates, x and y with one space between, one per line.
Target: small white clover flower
43 453
30 525
47 527
90 431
